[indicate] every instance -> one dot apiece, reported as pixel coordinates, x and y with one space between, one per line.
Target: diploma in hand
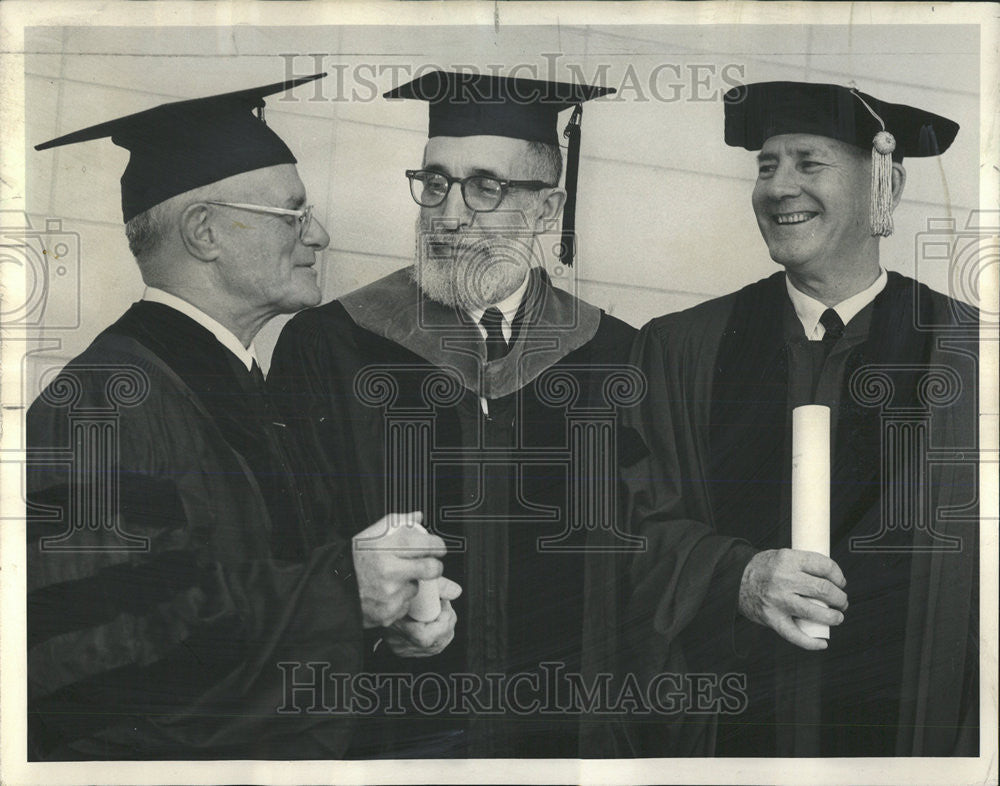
426 604
811 491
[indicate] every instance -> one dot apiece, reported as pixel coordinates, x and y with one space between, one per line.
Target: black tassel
567 249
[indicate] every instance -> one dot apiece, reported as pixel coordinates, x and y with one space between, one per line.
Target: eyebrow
478 171
488 173
295 202
798 152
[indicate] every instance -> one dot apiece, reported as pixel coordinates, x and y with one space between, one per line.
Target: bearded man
450 387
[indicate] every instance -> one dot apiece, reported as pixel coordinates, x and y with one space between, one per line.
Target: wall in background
664 217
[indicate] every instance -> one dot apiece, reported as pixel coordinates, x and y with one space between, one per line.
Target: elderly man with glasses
177 600
465 387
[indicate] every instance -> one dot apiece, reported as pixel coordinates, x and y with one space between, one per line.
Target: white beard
471 270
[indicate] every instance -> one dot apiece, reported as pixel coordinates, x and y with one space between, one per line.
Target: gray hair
545 162
145 232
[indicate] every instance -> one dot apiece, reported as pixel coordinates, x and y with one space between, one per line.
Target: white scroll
811 491
426 604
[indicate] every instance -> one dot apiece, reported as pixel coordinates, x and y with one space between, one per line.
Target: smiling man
451 387
721 592
173 582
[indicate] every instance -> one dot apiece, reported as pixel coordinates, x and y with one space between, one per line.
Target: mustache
457 238
475 242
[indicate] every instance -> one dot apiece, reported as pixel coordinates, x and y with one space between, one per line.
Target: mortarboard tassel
567 248
883 146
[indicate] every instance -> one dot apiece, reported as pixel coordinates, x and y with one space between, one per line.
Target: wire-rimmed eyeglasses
480 192
303 216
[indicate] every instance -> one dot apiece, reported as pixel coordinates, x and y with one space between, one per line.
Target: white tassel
881 192
883 145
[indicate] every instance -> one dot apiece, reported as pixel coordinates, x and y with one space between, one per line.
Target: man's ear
198 232
550 209
898 183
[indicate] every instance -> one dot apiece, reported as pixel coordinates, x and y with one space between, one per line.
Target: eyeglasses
481 193
303 216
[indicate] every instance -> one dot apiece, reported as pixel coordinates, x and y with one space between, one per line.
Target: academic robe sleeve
160 629
312 381
688 573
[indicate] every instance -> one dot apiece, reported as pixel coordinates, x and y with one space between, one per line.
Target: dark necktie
258 377
834 327
496 344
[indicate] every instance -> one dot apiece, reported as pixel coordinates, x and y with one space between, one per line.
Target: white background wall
664 217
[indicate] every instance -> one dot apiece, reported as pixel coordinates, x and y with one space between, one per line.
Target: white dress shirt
225 336
809 310
508 309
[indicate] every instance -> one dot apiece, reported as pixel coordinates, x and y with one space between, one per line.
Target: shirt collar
247 355
508 306
809 310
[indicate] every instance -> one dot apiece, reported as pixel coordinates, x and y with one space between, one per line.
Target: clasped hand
777 587
390 557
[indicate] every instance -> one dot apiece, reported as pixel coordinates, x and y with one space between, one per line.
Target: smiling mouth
793 218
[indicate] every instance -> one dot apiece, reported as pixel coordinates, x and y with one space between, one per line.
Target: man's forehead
498 154
279 185
803 144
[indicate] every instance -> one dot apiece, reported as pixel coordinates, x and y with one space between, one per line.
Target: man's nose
316 235
784 182
454 207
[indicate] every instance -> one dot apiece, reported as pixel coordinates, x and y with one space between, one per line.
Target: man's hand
777 586
411 639
390 557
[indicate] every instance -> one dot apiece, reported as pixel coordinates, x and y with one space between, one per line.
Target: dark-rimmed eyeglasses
480 192
302 216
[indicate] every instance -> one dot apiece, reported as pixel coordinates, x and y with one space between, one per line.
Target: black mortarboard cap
183 145
468 104
758 111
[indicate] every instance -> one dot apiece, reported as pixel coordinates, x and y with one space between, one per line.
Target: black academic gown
900 674
157 625
384 386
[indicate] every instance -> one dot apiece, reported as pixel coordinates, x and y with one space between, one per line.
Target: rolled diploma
811 491
426 604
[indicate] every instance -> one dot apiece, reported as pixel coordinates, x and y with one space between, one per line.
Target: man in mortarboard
450 387
722 592
172 566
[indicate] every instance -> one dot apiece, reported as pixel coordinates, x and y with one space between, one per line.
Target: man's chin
307 298
788 258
